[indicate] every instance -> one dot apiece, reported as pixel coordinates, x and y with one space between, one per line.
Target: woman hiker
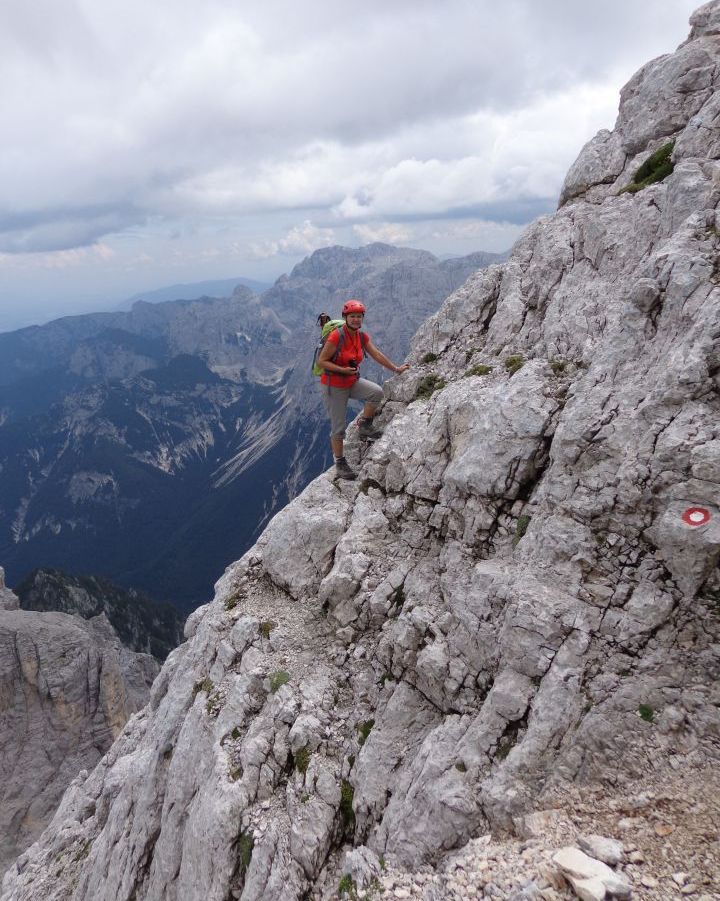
340 357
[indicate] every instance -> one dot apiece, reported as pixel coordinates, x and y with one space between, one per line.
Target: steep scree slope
520 591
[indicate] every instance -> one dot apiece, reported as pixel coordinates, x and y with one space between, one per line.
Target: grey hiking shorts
336 401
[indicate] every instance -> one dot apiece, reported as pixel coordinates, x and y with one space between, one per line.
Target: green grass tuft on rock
302 760
278 679
514 363
479 369
266 627
655 168
521 527
364 729
245 845
205 685
347 793
232 602
428 386
346 888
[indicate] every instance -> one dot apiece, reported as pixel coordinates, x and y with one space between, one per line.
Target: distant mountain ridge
150 445
218 287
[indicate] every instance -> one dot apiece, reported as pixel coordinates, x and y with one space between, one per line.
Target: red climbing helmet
353 306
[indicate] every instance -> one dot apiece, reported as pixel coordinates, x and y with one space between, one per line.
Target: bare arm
380 357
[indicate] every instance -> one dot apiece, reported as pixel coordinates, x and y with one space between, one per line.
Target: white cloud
300 240
386 232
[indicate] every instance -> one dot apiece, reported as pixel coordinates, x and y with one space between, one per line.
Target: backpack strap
341 341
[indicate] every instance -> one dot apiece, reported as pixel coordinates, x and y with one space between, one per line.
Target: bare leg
369 411
337 446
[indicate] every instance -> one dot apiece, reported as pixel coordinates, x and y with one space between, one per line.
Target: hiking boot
367 431
343 470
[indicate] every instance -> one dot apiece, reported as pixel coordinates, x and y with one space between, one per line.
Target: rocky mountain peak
332 260
657 108
516 602
705 21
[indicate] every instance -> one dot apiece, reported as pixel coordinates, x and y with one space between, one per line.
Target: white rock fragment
576 865
607 850
589 889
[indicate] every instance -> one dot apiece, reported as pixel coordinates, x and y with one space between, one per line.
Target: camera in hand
352 364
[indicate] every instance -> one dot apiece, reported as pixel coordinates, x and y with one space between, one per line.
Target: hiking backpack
326 329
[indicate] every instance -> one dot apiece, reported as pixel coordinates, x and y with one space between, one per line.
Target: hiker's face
354 320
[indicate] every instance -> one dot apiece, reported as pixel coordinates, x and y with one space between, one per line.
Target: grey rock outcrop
520 592
67 688
8 599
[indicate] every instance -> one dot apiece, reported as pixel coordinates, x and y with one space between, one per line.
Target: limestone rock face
8 600
520 591
67 688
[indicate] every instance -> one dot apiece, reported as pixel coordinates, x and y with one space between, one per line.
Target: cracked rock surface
67 687
519 593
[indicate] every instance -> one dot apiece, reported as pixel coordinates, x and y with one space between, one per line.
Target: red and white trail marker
696 516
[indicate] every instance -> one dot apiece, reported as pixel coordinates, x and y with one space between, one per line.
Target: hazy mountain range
150 445
219 287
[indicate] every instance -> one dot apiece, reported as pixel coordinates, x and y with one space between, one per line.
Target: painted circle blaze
696 516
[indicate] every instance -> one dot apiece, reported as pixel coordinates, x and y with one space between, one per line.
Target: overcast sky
146 144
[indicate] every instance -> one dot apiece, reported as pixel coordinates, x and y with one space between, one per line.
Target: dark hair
323 318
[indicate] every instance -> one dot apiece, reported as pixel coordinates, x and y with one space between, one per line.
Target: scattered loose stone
631 822
607 850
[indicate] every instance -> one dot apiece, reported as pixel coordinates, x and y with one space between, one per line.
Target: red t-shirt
352 349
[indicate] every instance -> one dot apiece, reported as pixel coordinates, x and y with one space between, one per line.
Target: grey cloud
514 211
50 230
123 105
517 211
